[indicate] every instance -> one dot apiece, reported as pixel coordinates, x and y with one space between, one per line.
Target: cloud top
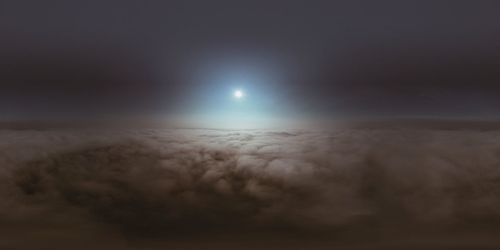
163 183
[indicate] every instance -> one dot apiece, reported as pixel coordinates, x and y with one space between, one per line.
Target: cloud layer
166 184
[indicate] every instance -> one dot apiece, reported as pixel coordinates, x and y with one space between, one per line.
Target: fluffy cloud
163 183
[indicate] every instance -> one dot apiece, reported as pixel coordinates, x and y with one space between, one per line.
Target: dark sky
296 59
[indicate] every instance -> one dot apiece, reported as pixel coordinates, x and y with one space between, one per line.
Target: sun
238 94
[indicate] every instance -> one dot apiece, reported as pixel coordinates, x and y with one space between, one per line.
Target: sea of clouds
66 186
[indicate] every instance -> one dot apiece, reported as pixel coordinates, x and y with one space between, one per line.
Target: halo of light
238 94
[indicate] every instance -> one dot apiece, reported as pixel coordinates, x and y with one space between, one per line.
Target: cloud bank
170 184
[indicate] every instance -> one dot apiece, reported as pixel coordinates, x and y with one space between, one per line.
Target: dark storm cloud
166 184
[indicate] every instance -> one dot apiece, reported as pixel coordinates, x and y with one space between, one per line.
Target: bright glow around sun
238 94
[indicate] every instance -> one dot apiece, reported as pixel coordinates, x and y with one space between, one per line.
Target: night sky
294 59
